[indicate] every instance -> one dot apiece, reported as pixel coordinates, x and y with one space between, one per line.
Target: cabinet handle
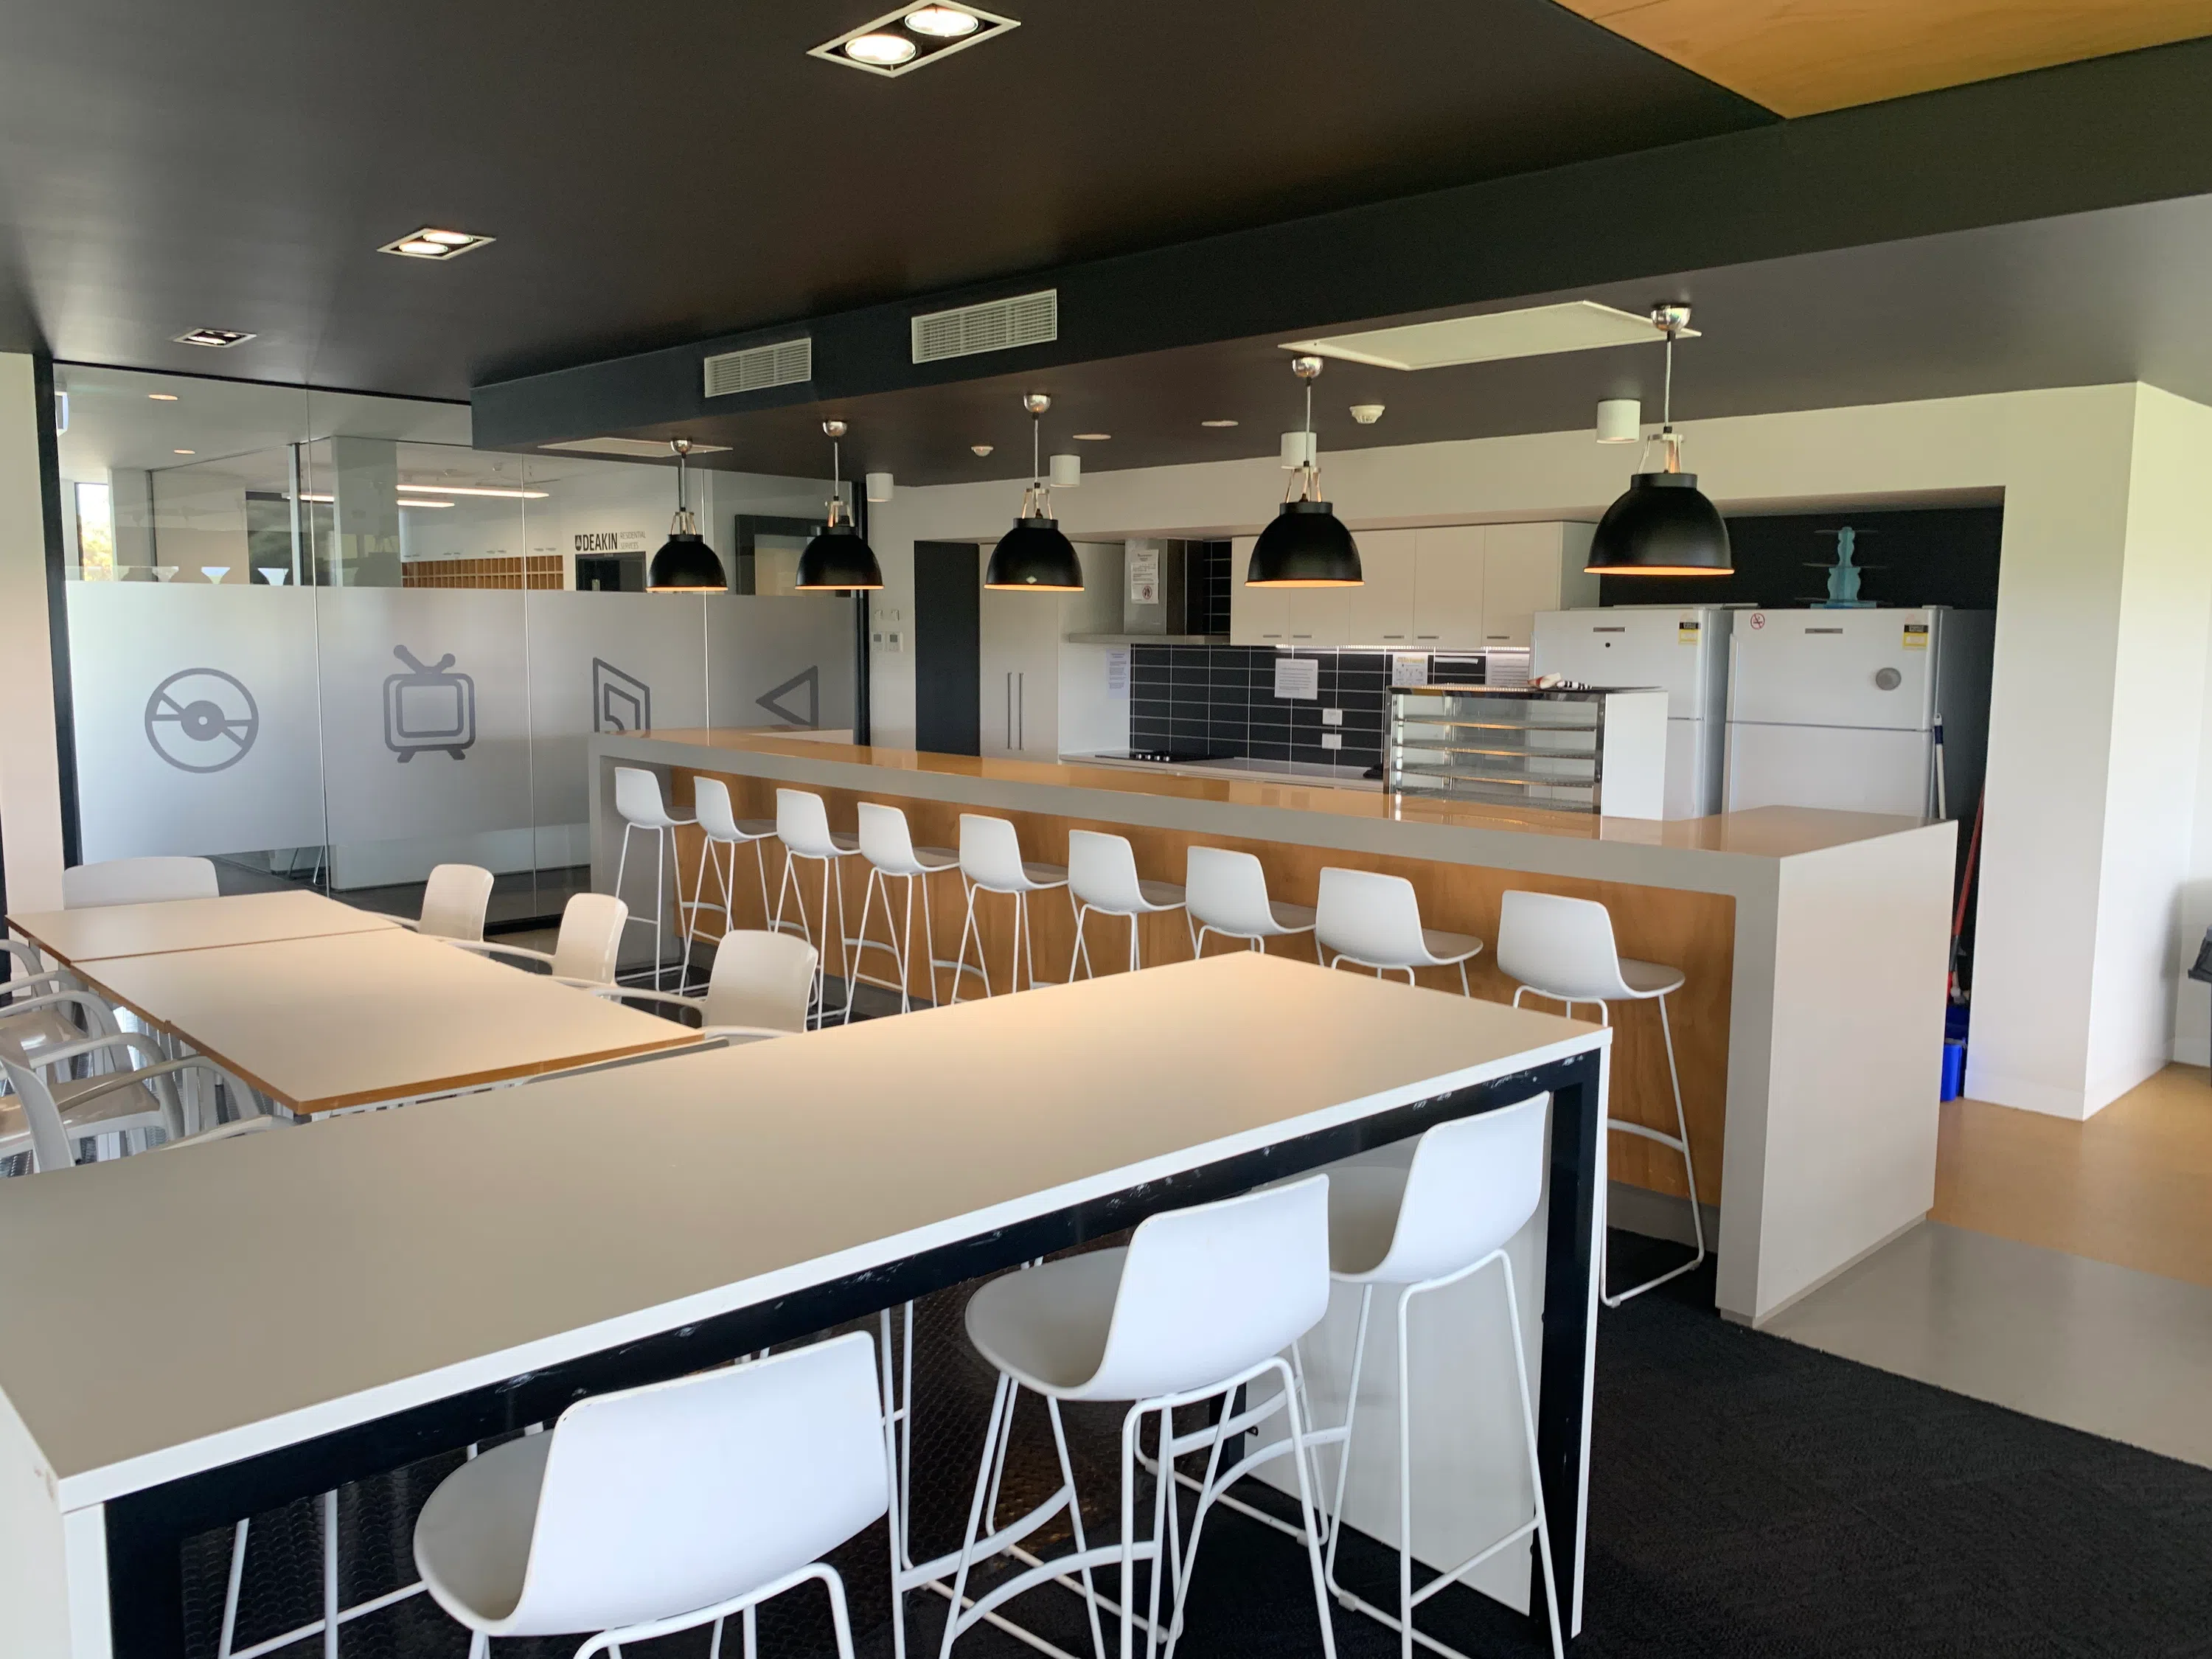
1021 711
1393 636
1300 637
1010 708
1428 636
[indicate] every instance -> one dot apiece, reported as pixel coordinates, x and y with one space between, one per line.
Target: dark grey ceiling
2083 299
657 175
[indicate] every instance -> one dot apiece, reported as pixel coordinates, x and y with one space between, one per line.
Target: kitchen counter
1809 1035
1243 766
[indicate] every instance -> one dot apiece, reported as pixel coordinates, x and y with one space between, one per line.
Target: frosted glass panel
779 661
607 662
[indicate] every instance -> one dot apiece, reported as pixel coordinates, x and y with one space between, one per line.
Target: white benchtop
166 1313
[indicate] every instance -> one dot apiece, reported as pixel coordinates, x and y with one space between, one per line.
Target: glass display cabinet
1565 750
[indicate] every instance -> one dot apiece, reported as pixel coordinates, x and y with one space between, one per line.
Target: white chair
721 828
1473 1185
454 902
1102 880
41 1000
1374 921
1562 949
584 952
638 802
48 1119
760 986
664 1507
1200 1304
991 862
1226 893
802 825
137 881
887 843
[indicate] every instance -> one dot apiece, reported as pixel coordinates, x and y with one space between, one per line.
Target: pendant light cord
683 520
1666 408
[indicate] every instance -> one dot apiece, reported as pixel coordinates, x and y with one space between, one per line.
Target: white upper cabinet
1448 571
1380 610
1257 615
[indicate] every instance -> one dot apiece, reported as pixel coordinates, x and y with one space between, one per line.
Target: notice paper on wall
1409 668
1144 563
1117 674
1298 677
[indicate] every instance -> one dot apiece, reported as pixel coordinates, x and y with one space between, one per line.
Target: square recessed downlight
1491 337
218 338
919 33
434 242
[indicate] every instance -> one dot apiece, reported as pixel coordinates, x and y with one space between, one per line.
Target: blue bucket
1954 1070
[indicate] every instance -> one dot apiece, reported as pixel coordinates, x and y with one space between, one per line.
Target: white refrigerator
1838 708
1684 652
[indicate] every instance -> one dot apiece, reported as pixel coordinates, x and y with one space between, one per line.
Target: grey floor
2108 1350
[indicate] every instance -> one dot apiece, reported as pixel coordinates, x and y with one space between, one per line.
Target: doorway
948 645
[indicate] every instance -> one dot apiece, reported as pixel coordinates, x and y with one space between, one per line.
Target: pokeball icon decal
202 720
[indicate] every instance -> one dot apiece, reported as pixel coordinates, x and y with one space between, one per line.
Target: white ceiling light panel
1490 336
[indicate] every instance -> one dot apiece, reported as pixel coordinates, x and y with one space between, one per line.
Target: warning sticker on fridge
1916 636
1685 632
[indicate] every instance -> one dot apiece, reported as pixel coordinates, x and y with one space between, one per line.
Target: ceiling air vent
755 369
998 326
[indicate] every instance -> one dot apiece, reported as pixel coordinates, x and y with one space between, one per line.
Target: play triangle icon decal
773 701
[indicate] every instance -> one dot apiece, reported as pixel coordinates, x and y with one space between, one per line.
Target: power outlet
1332 739
1332 717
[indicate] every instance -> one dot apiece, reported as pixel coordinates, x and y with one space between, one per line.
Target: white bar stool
1102 880
638 802
664 1507
1374 921
1562 949
802 825
991 862
721 828
1226 893
1199 1304
887 843
1473 1185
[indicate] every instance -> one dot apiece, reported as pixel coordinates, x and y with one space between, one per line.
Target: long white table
425 1278
105 931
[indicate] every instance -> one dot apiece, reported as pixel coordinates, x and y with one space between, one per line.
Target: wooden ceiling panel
1803 56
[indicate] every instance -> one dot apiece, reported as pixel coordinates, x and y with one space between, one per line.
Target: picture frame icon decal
202 720
621 703
429 707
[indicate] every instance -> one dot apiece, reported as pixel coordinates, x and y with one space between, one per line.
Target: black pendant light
685 564
1307 545
1664 525
1034 557
838 559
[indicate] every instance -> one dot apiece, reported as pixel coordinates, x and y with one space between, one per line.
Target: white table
446 1273
139 930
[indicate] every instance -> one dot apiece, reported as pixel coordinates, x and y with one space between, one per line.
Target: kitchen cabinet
1022 639
1257 615
1448 571
1524 570
1380 610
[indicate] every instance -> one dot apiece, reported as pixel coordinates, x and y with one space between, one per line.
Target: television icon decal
621 703
429 707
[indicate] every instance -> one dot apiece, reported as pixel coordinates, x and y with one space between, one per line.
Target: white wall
30 782
2101 628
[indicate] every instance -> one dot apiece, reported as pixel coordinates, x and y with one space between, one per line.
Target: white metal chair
454 902
42 998
991 862
1102 880
721 828
1199 1304
1226 893
1562 949
802 825
49 1118
1472 1186
584 953
137 881
664 1507
1374 921
639 803
887 843
760 986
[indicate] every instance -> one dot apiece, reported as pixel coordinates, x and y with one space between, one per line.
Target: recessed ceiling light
881 49
466 489
1217 423
1489 337
902 41
162 397
943 22
432 243
218 338
1092 437
981 449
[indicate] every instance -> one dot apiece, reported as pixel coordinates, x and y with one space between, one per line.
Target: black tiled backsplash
1222 698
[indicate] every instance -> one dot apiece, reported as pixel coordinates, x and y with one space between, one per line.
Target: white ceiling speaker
1619 421
1066 472
879 486
1367 414
1299 449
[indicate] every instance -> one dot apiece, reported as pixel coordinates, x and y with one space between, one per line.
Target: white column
30 778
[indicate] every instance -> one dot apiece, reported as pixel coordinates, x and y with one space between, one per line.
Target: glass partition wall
336 658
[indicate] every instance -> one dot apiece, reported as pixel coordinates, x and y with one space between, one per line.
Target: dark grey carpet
1750 1498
